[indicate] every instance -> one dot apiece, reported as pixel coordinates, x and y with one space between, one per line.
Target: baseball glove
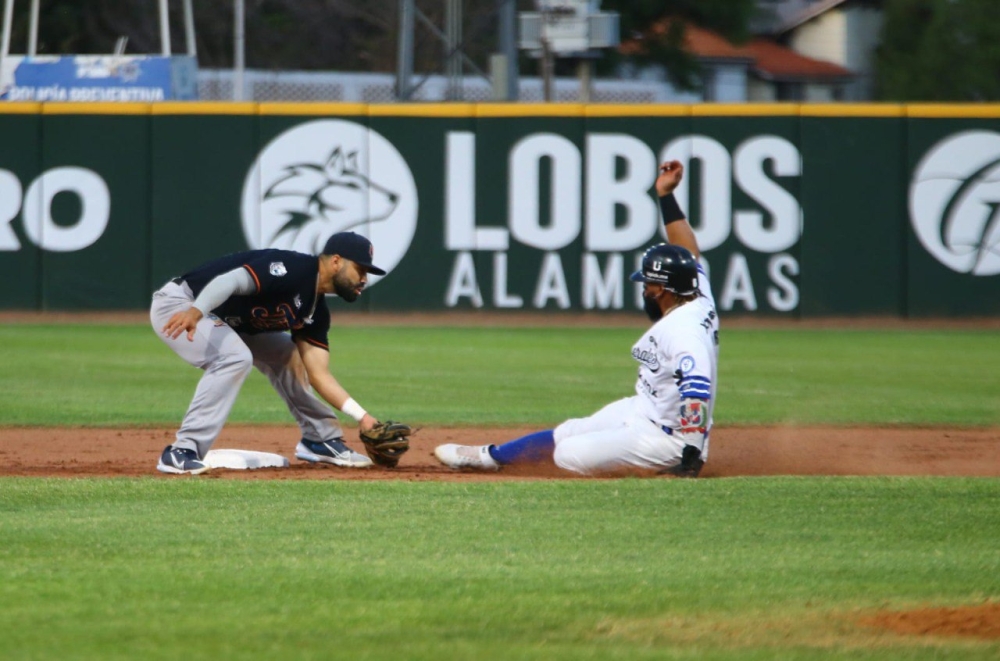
386 442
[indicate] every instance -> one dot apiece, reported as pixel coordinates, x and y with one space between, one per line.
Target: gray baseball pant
226 358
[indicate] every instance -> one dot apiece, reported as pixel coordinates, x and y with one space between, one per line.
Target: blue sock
531 448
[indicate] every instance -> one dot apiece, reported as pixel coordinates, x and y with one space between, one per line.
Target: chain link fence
217 85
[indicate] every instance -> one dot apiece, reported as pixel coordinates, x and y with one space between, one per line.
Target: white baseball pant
614 439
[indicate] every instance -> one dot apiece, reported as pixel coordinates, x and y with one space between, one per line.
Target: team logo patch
278 269
686 364
693 417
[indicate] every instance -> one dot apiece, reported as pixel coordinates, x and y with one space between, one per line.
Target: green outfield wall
800 210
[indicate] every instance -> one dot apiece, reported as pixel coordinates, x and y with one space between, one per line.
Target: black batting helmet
672 266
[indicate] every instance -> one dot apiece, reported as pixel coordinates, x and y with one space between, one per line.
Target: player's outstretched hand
183 322
671 173
367 422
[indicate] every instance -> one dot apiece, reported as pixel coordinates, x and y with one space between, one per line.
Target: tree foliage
344 35
279 34
939 50
731 18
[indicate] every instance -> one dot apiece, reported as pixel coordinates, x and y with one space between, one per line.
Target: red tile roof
773 61
702 43
710 45
769 59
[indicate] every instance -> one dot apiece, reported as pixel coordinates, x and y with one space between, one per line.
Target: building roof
772 61
791 14
708 45
769 59
703 44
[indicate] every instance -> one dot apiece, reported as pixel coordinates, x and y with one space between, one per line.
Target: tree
347 35
939 50
730 18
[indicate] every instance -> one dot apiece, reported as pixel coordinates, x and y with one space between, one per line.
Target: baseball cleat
466 456
180 461
333 452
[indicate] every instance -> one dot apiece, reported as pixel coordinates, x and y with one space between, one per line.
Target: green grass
865 377
122 375
579 569
727 569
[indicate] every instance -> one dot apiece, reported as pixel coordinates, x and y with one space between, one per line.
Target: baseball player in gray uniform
264 309
664 427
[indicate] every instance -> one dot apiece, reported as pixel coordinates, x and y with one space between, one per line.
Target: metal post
33 30
584 71
507 14
452 43
239 38
192 46
404 63
164 28
8 15
498 77
547 61
547 66
469 64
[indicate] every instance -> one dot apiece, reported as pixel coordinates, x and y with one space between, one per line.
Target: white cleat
466 456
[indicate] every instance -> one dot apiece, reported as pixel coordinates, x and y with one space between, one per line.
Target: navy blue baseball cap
354 247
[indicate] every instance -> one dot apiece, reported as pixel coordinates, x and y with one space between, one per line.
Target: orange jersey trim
316 343
253 275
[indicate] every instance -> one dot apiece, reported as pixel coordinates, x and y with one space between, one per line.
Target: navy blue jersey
285 300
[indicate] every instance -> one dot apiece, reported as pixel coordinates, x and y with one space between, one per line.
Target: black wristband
670 209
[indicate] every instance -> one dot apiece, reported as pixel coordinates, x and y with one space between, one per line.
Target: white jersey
678 360
672 407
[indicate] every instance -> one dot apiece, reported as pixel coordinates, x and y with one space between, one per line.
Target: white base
243 459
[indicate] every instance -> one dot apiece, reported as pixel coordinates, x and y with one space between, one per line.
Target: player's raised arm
679 231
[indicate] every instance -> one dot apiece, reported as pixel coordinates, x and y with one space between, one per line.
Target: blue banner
144 78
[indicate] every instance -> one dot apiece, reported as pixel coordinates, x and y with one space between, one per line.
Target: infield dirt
735 451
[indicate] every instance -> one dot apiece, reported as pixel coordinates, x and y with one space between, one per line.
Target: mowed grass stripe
726 569
123 375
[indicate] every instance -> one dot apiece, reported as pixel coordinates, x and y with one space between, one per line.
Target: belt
666 430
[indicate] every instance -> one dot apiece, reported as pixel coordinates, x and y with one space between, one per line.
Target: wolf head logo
325 176
316 200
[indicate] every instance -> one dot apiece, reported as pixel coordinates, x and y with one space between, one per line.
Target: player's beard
344 288
651 304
